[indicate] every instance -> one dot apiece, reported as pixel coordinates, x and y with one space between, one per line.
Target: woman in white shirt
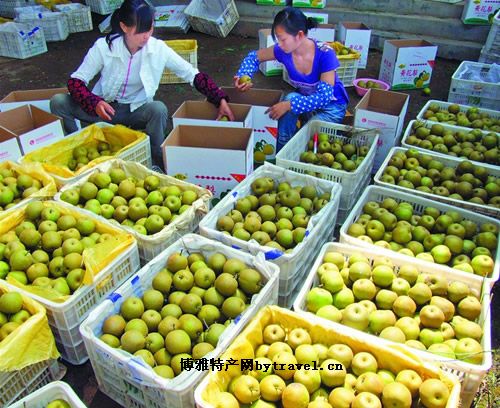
130 63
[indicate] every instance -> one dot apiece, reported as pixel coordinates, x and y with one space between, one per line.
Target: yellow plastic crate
187 49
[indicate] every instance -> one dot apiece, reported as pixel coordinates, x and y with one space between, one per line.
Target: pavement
220 58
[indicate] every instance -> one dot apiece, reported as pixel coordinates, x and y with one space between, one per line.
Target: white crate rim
242 189
447 161
179 382
323 169
200 205
373 190
484 319
53 390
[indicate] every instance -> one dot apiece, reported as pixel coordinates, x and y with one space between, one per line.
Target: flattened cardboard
215 158
202 113
407 64
356 36
36 97
384 110
265 129
33 127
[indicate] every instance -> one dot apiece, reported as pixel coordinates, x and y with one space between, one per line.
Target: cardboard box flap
410 43
206 110
380 101
353 25
213 137
32 95
255 97
25 118
6 134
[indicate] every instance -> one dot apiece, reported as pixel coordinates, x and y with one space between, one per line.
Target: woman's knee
158 109
60 102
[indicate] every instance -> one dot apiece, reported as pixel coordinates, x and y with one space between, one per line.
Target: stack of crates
54 24
7 7
79 17
491 51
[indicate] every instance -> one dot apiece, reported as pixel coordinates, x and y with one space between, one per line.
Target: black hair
132 13
293 20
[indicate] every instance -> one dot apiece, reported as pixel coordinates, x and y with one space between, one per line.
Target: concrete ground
218 57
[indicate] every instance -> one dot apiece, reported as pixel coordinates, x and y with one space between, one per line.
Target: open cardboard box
268 68
33 127
407 64
356 36
203 113
36 97
9 146
216 158
265 129
383 110
324 32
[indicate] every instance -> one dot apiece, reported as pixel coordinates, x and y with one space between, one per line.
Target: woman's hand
225 110
278 109
244 85
104 110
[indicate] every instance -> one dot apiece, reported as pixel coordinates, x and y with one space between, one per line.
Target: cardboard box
9 146
202 113
215 158
171 18
268 68
407 64
321 18
480 12
271 2
324 32
309 3
357 37
265 129
384 110
36 97
33 127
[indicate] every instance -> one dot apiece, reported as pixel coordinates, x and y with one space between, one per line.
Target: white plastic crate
495 114
151 245
127 379
473 84
15 385
492 44
470 375
7 7
448 161
289 157
293 265
65 317
213 17
52 391
428 124
140 153
21 41
323 332
54 24
188 50
103 7
378 194
489 57
79 16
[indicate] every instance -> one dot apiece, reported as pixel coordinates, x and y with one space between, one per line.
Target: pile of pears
191 302
58 403
15 187
12 313
421 310
471 118
293 370
82 155
46 248
275 215
334 153
472 145
442 237
369 85
466 182
142 204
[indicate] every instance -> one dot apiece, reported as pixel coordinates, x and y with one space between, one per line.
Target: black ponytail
132 13
292 20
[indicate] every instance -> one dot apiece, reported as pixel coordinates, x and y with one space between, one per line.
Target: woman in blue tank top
311 68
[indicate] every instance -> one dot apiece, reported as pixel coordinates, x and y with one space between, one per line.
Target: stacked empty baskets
103 6
491 51
54 24
7 7
78 15
21 41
